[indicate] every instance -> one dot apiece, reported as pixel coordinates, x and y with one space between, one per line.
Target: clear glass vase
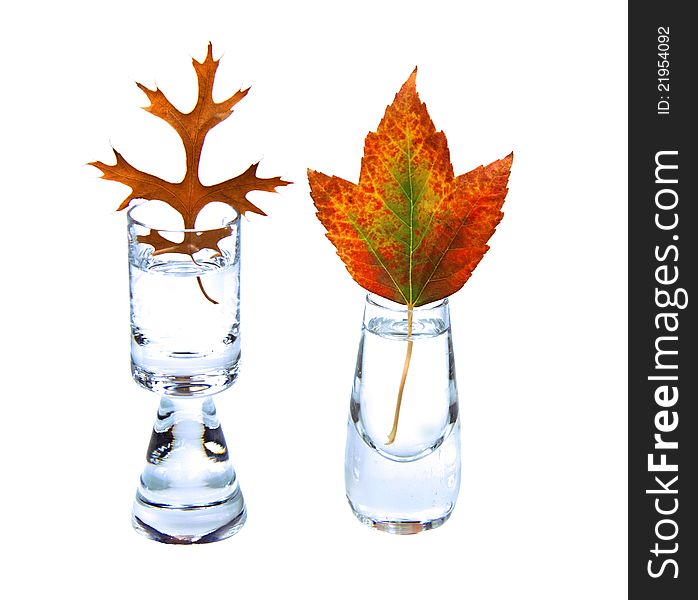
185 307
402 464
185 346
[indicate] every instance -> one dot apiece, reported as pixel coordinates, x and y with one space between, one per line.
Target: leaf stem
203 291
405 369
201 284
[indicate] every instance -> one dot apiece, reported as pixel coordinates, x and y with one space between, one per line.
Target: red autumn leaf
411 231
189 196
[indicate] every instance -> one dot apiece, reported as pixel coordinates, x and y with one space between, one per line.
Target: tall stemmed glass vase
185 347
402 465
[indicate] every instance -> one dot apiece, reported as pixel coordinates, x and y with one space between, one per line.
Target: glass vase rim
229 224
385 304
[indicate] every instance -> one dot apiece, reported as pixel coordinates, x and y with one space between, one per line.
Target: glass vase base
188 491
399 527
192 524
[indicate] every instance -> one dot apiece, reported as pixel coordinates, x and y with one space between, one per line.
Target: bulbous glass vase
402 464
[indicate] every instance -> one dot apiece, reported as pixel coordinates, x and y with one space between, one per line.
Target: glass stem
405 369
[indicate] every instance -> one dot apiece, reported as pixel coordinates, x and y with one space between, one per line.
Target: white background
539 330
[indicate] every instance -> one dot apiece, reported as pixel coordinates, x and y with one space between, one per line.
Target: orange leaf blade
332 195
410 231
476 202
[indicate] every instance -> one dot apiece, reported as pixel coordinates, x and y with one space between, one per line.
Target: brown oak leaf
189 196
